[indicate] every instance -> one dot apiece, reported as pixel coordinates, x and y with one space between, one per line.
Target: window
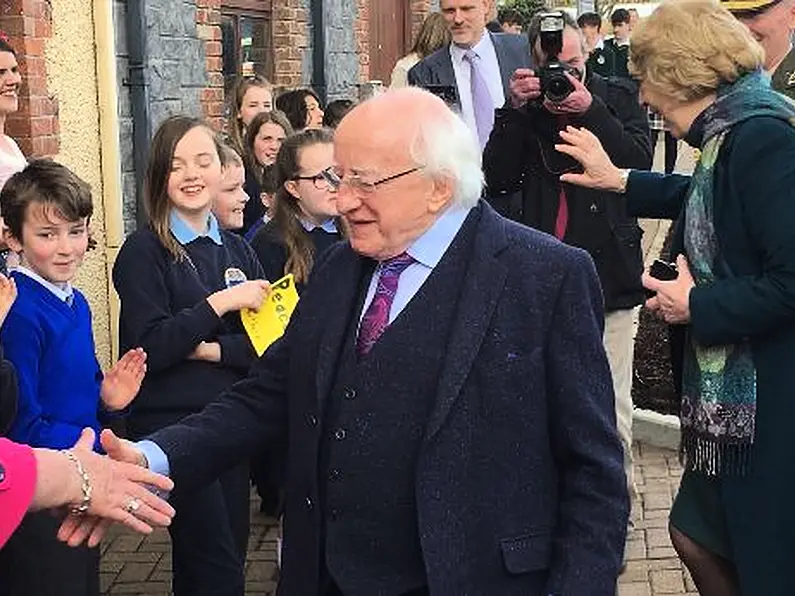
246 39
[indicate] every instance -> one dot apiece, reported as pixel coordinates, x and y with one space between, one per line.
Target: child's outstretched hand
122 382
8 293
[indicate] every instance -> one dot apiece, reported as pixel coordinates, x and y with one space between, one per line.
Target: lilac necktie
376 319
482 104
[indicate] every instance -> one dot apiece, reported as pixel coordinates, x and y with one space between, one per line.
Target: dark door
390 36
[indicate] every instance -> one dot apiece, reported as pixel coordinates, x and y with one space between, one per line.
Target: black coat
522 175
520 487
8 394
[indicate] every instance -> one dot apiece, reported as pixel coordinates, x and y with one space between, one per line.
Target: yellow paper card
266 325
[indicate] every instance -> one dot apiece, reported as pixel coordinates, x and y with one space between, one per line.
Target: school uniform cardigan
164 310
51 346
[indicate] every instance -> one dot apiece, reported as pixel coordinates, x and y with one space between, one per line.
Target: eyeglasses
321 181
336 180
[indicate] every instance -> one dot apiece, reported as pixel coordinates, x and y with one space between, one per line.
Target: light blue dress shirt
427 251
185 234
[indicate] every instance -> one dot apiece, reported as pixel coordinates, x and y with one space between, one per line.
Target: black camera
555 85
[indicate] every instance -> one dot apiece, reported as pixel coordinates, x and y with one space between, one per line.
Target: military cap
748 6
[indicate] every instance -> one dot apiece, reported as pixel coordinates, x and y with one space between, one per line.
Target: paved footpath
132 564
135 565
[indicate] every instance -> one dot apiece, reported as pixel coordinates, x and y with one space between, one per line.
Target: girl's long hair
286 211
158 170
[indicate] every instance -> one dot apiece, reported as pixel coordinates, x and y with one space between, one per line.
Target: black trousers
34 563
209 537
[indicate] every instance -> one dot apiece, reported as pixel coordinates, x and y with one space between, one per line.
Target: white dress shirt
490 69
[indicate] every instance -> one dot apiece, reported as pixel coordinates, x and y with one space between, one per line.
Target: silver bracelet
85 487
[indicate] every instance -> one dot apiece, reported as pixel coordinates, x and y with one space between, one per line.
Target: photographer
522 171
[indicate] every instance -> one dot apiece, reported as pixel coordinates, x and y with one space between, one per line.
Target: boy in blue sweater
8 379
47 336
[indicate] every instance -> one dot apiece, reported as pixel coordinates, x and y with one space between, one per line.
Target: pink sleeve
17 485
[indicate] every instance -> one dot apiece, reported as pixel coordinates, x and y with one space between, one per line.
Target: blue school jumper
47 337
164 310
49 340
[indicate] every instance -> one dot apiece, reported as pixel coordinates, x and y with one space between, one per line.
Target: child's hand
249 294
122 382
209 351
8 293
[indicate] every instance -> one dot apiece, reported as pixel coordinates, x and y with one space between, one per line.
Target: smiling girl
179 281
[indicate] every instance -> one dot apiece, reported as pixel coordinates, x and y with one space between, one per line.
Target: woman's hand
599 171
249 294
122 382
8 293
118 490
672 302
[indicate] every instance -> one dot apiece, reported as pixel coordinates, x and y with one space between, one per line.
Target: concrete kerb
648 426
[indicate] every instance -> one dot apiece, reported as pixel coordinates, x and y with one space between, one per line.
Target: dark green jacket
602 61
754 217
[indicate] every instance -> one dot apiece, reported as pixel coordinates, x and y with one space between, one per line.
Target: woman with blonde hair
433 35
731 302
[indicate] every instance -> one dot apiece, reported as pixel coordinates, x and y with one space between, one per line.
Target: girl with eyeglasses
304 222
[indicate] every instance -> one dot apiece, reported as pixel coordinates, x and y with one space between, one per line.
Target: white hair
446 148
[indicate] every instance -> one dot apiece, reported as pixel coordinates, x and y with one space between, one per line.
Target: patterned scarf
719 382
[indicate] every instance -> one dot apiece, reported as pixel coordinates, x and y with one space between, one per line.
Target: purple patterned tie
482 104
376 318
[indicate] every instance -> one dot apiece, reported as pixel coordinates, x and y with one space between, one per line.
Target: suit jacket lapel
504 61
341 298
483 284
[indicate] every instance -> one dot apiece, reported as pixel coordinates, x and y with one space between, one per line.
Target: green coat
783 79
754 218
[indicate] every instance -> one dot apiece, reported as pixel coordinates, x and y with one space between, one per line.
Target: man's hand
121 449
122 382
672 302
8 293
524 86
578 102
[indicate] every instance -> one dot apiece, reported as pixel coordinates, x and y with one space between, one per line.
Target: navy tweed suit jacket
519 483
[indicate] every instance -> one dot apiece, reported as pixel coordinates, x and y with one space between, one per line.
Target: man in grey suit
477 65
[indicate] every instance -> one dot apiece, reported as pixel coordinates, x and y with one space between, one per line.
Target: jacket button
2 474
311 420
310 504
340 434
350 393
334 514
334 474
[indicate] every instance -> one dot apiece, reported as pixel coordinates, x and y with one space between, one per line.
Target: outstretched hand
119 493
122 382
599 172
8 293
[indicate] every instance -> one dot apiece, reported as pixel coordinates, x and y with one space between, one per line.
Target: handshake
100 490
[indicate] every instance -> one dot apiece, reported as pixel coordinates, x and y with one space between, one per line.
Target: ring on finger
132 505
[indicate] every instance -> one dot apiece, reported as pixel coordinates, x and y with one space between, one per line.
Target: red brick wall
290 37
419 10
28 23
362 34
208 26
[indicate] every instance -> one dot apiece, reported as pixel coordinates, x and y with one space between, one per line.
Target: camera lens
558 88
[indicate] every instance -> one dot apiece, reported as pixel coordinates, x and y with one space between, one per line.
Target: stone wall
343 48
176 75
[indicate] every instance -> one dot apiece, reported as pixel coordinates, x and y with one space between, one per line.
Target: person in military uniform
771 22
600 57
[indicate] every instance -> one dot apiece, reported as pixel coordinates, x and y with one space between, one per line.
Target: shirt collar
429 248
458 52
600 44
329 226
185 234
64 293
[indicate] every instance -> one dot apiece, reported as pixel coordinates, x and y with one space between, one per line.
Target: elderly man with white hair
442 388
